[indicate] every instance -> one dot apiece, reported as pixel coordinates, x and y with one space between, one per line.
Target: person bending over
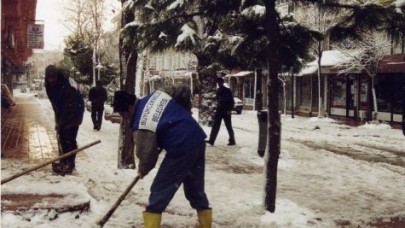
160 123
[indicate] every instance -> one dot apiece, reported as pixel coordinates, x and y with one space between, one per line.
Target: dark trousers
97 117
188 170
67 143
226 116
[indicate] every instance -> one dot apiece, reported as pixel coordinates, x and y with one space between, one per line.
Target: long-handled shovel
118 202
49 162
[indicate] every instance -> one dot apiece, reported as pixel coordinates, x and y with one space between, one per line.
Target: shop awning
240 74
310 69
392 64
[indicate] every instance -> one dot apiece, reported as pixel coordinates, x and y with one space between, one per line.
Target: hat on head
122 100
52 71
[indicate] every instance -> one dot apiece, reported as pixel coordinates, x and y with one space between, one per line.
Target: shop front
349 96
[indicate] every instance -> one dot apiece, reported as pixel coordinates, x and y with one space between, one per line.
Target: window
339 93
389 92
159 62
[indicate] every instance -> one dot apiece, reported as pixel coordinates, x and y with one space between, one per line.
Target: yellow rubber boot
205 218
151 220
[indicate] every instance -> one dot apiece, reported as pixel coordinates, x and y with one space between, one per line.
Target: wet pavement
23 136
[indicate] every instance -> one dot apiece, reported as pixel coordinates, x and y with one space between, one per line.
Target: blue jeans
188 170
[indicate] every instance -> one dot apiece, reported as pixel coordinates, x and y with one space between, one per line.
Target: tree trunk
284 98
375 111
207 81
259 90
273 35
319 94
208 101
292 95
128 61
320 44
325 95
311 102
126 159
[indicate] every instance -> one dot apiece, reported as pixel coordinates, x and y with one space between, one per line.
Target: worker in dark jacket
68 117
225 105
97 96
164 121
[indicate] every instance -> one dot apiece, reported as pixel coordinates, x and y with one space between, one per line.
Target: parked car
238 105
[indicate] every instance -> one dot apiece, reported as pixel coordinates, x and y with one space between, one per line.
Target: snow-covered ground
329 175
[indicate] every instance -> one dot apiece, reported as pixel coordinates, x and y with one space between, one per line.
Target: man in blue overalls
162 121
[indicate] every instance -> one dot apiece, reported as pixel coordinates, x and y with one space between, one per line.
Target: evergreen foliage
79 56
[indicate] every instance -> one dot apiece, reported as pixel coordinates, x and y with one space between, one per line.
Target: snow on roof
311 68
333 58
329 58
240 74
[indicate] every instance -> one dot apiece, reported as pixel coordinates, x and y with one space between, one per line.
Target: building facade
16 17
168 68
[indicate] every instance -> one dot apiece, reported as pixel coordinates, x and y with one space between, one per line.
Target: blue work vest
176 130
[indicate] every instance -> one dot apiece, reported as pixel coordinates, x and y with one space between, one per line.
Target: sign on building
35 36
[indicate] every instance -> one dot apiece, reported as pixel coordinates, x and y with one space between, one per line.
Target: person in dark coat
97 96
225 105
163 121
68 117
